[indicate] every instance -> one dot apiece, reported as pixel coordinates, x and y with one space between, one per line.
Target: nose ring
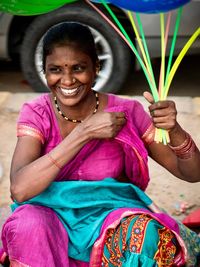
73 80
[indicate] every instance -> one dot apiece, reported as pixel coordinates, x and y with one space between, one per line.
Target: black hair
69 33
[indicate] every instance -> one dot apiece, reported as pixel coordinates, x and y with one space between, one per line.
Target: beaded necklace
74 120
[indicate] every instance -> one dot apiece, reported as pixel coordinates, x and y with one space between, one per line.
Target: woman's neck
81 110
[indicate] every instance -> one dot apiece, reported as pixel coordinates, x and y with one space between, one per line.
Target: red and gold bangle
186 149
54 161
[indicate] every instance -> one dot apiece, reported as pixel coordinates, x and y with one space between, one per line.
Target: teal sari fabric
88 209
82 206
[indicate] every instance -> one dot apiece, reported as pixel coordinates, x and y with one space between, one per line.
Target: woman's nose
68 79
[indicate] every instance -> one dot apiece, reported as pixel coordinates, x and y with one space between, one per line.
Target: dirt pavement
167 191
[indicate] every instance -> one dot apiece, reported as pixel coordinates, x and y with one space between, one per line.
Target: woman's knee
28 220
36 227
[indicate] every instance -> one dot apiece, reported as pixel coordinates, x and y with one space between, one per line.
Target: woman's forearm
35 177
188 155
190 168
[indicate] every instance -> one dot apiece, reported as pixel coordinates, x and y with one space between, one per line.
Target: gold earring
98 67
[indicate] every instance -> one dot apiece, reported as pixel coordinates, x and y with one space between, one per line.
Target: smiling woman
80 169
70 68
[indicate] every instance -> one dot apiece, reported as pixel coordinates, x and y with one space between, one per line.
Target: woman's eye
54 70
79 68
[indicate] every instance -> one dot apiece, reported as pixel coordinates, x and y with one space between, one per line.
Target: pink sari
30 237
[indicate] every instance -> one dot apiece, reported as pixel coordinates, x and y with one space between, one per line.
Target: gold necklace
74 120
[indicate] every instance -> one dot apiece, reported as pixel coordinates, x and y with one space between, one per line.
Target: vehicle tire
115 56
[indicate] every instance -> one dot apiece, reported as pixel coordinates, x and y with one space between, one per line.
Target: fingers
148 96
119 114
117 117
162 105
166 122
163 108
157 105
106 124
163 114
120 121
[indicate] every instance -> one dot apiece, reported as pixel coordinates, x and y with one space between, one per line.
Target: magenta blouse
96 160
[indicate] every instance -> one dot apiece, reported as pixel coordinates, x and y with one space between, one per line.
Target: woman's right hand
103 124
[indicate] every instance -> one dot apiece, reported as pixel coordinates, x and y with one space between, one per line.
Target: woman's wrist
85 130
54 161
82 133
177 136
68 148
186 149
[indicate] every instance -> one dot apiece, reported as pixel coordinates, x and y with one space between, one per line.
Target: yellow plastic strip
178 19
146 52
161 135
179 59
139 41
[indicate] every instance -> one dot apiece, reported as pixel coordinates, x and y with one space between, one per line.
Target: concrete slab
16 100
4 98
1 171
196 103
183 104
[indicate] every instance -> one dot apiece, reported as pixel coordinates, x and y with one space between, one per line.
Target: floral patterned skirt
140 240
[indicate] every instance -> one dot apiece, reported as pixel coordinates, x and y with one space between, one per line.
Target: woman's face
70 74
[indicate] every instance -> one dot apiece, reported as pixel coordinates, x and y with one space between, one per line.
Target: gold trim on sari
25 130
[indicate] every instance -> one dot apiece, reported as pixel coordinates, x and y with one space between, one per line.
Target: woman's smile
69 91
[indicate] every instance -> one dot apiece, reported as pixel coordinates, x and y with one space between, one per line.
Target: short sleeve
31 121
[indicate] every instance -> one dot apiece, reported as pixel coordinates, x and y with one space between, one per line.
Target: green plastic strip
154 92
146 50
180 57
178 19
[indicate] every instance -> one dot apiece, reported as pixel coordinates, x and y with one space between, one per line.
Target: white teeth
68 91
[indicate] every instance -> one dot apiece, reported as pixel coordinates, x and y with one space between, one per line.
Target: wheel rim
105 56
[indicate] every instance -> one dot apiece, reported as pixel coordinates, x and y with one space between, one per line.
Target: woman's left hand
163 113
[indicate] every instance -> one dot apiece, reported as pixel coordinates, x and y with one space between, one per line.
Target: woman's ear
98 67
